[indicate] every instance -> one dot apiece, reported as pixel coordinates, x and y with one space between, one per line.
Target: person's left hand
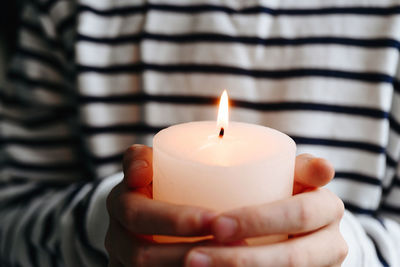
311 217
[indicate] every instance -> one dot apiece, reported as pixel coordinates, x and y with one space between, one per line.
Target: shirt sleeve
46 225
52 211
374 240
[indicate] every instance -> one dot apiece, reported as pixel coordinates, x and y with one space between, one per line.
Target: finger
327 240
132 251
312 172
137 166
134 211
325 247
111 247
112 262
298 214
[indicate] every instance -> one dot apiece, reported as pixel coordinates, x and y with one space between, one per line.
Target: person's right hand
135 217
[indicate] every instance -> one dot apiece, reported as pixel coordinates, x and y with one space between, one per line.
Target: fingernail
225 228
139 164
308 157
197 259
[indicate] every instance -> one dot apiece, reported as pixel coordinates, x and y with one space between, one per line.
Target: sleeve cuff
97 220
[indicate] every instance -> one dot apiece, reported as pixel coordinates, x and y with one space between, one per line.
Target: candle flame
223 115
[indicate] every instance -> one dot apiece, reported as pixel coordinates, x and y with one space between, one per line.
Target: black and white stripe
89 78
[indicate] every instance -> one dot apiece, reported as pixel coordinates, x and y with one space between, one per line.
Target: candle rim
290 143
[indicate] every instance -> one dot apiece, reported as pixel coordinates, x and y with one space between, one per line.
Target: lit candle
222 166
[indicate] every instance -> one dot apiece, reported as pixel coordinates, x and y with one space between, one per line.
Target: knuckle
287 214
177 223
304 214
184 222
130 213
248 222
252 220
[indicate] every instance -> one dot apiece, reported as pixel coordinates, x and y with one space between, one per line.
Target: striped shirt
89 78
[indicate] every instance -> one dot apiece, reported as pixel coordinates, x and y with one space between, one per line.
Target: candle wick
221 133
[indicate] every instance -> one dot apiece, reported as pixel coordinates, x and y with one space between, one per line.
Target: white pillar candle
194 164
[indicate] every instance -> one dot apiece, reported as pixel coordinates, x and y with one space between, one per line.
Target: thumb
138 166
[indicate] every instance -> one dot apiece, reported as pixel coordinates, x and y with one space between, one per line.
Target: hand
135 217
311 217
